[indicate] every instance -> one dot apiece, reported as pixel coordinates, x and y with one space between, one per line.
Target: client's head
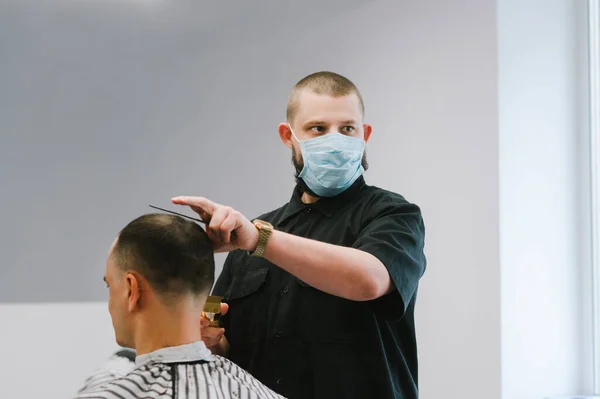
159 267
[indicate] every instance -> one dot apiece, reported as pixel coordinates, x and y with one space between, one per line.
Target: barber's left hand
227 228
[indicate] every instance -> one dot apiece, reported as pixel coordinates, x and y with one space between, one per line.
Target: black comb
178 214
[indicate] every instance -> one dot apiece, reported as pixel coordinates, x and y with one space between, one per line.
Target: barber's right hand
212 335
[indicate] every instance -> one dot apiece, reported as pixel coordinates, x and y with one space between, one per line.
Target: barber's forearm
222 348
345 272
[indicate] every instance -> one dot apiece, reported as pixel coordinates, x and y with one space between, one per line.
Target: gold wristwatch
264 232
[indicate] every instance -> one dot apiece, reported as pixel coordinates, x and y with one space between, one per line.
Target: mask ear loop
292 130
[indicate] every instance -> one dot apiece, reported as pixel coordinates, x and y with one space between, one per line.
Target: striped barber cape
182 372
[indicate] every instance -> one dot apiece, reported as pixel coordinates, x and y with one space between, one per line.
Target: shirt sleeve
394 233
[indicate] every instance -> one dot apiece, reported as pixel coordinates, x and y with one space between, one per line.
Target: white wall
49 349
546 341
182 114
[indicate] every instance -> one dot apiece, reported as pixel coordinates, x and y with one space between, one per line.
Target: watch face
261 224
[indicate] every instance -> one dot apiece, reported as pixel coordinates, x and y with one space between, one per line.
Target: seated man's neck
162 327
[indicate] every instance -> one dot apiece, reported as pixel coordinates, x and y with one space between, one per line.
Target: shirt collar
326 205
177 354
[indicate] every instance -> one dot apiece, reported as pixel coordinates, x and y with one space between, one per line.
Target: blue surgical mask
332 162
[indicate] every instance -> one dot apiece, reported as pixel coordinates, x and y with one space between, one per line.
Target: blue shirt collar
177 354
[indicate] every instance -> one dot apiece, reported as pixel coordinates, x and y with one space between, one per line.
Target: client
159 272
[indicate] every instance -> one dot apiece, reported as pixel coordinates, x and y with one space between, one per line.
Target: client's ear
133 291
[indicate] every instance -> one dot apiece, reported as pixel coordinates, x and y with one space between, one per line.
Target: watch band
264 232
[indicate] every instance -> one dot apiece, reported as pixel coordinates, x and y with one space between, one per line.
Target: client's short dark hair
174 255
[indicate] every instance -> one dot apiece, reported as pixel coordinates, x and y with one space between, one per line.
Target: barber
320 293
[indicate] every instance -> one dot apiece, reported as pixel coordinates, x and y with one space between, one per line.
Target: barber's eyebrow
104 279
349 122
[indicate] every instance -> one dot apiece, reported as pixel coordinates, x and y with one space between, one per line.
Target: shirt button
308 210
285 290
279 381
279 334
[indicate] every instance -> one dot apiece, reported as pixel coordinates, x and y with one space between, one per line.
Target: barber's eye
348 129
318 129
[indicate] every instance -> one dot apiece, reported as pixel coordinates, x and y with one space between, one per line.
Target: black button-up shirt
304 343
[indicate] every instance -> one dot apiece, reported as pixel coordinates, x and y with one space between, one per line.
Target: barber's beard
298 163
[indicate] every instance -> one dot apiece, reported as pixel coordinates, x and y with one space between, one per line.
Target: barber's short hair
174 255
324 82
